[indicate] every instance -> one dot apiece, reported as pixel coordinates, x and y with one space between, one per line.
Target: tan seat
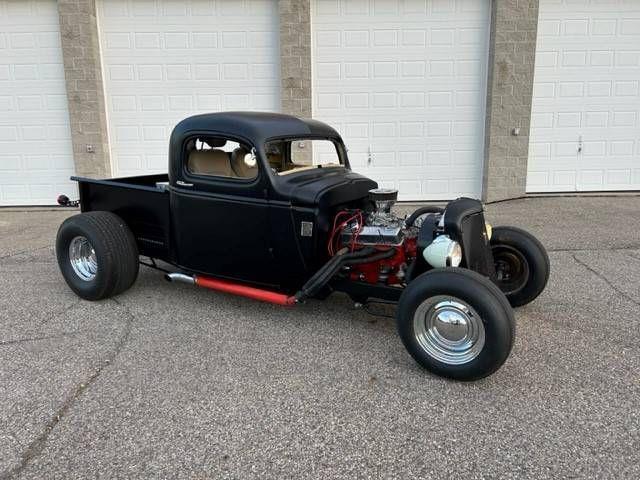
210 162
240 167
275 160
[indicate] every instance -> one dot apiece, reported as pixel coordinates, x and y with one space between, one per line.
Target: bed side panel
145 210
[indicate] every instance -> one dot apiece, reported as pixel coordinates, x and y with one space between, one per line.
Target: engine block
391 235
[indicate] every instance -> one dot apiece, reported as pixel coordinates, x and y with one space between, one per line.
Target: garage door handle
180 183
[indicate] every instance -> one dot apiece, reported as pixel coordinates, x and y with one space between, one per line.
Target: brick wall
509 90
295 56
81 56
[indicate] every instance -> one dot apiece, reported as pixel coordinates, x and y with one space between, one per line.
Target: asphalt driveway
171 381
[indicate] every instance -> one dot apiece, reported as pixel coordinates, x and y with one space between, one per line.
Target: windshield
291 155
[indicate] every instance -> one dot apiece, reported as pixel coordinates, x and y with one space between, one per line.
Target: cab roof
255 126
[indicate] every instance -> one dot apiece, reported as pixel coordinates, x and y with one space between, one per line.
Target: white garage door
36 157
169 59
404 83
585 125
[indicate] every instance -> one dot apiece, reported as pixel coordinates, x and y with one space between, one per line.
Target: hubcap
83 259
449 330
512 269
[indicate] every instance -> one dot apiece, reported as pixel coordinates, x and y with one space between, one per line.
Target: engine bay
394 241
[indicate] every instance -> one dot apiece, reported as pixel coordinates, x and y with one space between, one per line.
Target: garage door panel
396 79
385 10
175 59
586 102
36 158
229 11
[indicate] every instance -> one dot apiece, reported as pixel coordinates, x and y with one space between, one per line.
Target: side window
220 157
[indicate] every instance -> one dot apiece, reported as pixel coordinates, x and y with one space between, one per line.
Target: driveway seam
37 445
606 280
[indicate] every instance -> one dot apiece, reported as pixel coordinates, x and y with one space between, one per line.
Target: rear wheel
97 255
522 264
456 323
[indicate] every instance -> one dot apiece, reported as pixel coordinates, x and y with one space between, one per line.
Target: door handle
180 183
369 155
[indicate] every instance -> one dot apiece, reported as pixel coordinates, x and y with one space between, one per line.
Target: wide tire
97 255
456 323
522 264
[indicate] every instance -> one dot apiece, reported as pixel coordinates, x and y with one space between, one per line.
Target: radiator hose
421 211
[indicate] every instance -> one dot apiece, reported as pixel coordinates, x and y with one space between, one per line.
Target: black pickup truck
266 206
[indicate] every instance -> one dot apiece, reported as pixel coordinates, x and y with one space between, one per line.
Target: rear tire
456 323
522 264
97 255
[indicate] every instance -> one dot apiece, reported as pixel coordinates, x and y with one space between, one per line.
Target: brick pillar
295 56
512 50
83 73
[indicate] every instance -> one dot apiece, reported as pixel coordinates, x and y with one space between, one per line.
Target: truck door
219 212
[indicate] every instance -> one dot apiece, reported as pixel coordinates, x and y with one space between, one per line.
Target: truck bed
142 202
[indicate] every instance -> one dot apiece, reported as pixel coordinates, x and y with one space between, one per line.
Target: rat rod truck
266 206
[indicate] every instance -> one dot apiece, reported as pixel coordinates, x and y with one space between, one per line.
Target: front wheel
522 264
456 323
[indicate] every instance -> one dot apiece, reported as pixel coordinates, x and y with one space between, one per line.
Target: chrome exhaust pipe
180 277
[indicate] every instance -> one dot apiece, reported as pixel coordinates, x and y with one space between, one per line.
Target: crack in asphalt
609 249
23 252
606 280
35 339
37 445
631 255
65 310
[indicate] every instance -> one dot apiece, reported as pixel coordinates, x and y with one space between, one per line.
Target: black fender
464 222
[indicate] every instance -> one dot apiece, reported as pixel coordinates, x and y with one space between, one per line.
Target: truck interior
221 158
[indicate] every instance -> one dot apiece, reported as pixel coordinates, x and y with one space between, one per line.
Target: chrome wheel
448 330
83 259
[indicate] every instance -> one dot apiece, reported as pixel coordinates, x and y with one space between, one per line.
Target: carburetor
381 227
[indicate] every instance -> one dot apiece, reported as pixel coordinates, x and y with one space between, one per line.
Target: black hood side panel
309 197
324 187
